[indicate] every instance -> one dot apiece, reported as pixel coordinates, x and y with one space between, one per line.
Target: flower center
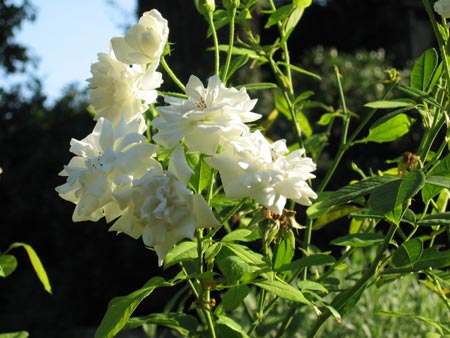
202 104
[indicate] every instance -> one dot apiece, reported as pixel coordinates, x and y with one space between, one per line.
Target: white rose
210 117
144 42
252 167
119 91
163 211
107 161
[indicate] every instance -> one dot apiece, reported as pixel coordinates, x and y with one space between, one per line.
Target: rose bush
212 194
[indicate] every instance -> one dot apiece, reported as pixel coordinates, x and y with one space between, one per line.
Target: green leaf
258 86
389 130
238 331
388 104
300 70
334 214
233 268
183 251
202 174
284 250
441 169
302 3
360 240
8 264
246 254
241 235
420 95
310 285
292 22
383 199
279 15
283 290
251 53
442 218
180 322
440 181
391 197
233 297
121 308
431 258
236 63
407 254
19 334
36 263
307 261
423 70
347 194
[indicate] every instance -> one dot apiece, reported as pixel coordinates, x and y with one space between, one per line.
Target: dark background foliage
87 265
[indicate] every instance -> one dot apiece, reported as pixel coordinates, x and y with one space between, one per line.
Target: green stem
342 299
345 113
172 75
232 16
216 43
204 296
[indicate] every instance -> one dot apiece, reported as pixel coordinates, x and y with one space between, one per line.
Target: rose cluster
115 172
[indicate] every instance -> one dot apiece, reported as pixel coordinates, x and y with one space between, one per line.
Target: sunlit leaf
307 261
390 130
121 308
258 86
241 235
279 15
183 251
442 218
36 263
423 69
19 334
388 104
311 285
8 264
283 290
440 181
232 325
347 194
360 240
334 214
236 63
300 70
182 323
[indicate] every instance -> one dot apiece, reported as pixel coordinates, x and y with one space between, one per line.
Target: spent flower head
209 117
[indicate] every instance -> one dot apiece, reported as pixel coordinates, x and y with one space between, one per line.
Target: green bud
205 6
230 4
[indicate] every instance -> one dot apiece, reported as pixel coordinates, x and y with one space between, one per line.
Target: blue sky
67 35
